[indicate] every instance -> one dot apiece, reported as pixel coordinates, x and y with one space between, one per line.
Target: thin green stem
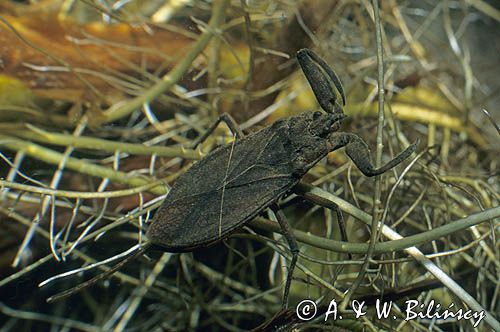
79 194
170 79
328 200
376 213
317 195
81 166
251 56
85 142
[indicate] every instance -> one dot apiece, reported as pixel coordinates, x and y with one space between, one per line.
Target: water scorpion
234 183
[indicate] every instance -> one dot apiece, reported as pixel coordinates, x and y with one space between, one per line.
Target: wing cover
225 189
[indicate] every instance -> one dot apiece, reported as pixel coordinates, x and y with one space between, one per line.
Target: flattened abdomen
221 192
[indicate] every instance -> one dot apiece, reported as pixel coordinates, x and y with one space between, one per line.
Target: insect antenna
98 277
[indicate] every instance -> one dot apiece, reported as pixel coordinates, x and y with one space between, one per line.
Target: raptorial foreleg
359 153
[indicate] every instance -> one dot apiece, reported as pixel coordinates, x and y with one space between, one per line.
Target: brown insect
235 182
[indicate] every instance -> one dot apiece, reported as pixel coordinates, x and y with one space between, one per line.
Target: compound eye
316 115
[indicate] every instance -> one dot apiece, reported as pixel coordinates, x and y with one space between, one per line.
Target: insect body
234 183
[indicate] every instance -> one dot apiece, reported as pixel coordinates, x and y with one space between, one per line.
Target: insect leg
294 248
341 221
228 120
320 77
359 153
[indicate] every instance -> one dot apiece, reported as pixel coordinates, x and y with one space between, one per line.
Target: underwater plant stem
173 76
